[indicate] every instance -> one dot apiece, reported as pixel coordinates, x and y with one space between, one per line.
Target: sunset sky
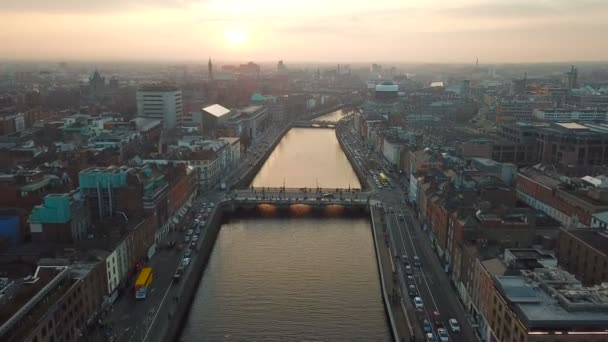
311 30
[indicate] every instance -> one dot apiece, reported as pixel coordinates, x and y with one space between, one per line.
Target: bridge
316 198
314 124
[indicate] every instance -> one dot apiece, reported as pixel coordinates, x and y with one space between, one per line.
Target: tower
210 69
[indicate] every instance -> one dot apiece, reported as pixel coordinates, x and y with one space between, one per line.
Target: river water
293 279
333 116
307 157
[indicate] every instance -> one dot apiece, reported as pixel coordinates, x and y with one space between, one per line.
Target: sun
235 36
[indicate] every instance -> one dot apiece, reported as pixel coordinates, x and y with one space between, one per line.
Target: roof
257 97
216 110
553 298
387 87
571 125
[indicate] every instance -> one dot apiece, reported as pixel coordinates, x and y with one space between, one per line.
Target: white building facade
161 103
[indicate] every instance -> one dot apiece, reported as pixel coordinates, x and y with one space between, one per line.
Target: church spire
210 69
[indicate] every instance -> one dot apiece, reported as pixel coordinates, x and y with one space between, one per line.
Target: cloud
526 9
93 6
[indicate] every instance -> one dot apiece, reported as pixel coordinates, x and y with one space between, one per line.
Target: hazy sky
307 30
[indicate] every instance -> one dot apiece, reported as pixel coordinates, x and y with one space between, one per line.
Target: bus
143 282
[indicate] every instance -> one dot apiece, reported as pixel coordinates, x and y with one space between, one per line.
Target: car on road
198 216
408 270
211 205
404 258
437 319
418 303
430 337
401 217
443 335
410 280
185 262
454 325
412 290
197 231
416 261
426 325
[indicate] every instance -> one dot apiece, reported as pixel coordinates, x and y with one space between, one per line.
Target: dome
257 97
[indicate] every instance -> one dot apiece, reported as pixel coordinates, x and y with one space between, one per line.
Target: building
160 102
584 253
56 303
560 197
62 218
386 92
211 117
574 114
250 122
571 78
547 305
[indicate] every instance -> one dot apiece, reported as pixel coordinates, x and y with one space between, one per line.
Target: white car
195 238
211 205
443 335
430 337
185 262
418 303
454 326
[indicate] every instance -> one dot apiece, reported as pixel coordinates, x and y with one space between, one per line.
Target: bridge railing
319 190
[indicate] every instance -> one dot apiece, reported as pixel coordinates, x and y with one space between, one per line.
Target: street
430 280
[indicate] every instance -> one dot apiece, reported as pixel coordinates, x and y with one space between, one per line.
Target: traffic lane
441 288
163 267
422 287
408 249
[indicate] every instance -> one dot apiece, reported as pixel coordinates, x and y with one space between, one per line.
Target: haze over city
430 31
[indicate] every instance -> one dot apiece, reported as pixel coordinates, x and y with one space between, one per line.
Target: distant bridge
314 124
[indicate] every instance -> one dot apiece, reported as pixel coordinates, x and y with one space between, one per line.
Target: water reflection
307 157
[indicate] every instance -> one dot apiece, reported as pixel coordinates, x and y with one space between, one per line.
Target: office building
160 102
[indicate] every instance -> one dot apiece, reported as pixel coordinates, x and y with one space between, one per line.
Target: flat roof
539 309
216 110
571 125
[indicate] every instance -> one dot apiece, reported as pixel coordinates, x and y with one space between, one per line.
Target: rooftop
554 299
30 298
216 110
158 88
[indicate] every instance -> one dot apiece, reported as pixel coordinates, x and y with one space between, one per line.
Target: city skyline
184 30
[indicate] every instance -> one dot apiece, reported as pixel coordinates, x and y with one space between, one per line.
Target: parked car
443 335
430 337
454 325
418 303
195 238
412 290
190 231
211 205
188 253
187 238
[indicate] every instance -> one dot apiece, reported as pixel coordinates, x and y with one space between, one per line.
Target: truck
143 282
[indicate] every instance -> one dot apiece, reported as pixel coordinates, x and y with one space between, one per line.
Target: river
333 116
307 157
293 279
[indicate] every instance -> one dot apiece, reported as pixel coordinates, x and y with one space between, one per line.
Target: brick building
584 253
56 303
558 197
